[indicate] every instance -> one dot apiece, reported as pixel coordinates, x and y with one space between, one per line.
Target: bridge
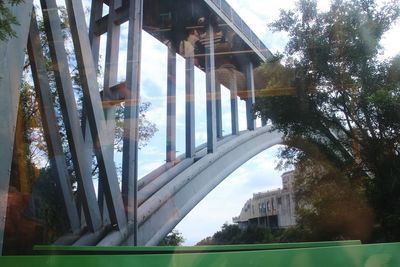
210 36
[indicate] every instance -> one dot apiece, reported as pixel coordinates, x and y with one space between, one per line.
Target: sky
258 174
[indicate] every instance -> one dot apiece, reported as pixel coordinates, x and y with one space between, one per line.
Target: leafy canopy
7 19
174 238
343 119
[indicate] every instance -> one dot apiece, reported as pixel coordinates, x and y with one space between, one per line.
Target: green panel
137 250
375 255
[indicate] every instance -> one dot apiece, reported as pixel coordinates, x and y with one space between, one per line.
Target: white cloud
390 41
145 168
258 15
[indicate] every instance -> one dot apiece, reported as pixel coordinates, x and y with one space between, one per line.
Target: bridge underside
207 33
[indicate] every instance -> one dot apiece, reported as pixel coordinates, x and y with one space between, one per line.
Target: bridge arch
167 207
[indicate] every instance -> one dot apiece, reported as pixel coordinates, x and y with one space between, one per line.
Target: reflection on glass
119 128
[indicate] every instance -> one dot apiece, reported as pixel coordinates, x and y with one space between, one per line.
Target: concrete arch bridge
209 34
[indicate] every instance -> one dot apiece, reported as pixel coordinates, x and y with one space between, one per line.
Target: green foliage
174 238
147 129
231 234
331 205
47 207
342 125
7 20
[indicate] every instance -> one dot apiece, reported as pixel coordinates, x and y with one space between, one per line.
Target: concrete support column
131 114
11 65
189 108
171 106
211 93
110 79
234 106
250 96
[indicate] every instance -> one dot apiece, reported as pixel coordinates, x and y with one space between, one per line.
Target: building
272 209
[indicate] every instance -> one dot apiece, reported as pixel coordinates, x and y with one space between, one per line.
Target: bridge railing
238 22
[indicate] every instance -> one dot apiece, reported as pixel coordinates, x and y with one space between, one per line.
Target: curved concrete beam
166 208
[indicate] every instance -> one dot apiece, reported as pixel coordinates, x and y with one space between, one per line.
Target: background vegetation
342 123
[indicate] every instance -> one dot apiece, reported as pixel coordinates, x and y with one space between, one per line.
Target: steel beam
171 106
251 123
98 126
211 94
70 114
189 107
50 127
131 114
11 66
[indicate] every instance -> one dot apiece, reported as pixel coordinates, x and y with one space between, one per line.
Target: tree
7 19
174 238
231 234
342 125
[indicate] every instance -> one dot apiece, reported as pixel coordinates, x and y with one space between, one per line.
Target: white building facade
272 209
